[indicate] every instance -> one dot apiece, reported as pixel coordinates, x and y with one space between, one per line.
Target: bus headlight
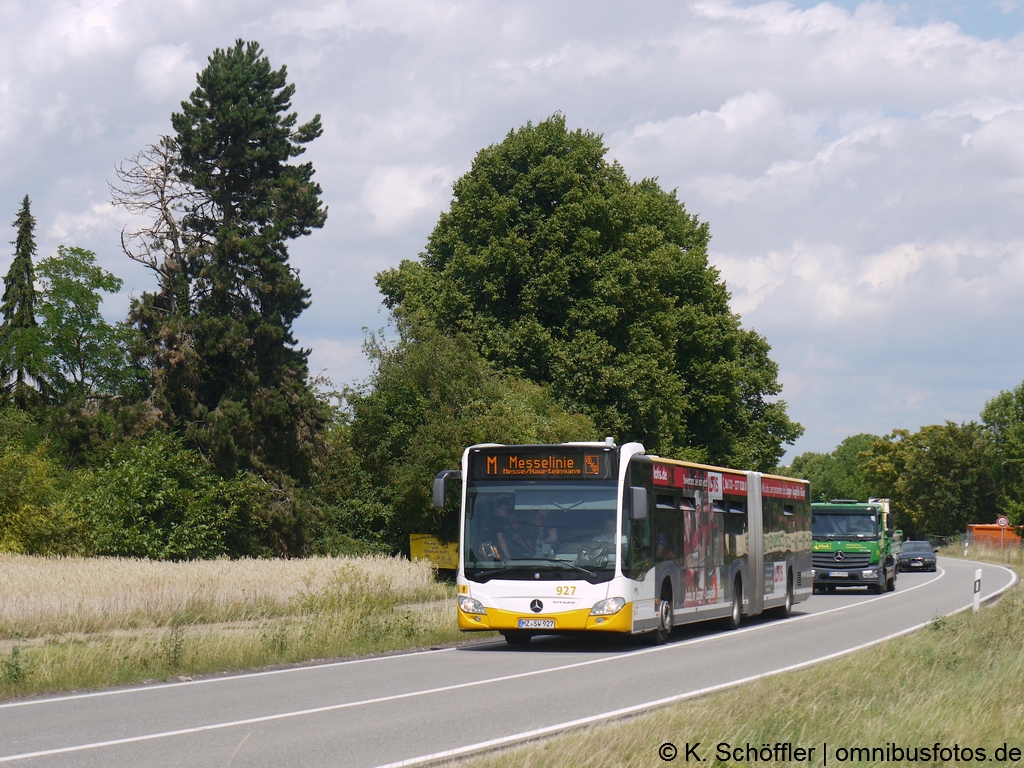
608 607
468 605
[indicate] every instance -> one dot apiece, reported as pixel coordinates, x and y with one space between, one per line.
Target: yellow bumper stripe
497 619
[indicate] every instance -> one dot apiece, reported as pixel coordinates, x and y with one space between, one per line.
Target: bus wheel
786 610
737 605
516 637
660 635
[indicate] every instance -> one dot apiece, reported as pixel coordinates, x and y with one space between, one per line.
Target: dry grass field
81 623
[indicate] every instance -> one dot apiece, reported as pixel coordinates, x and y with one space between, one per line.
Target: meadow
72 623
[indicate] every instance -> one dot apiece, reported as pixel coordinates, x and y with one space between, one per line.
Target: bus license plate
536 623
837 574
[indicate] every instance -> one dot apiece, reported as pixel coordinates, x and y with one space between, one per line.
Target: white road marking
205 681
475 683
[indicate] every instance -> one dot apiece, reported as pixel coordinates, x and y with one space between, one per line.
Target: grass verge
73 623
957 683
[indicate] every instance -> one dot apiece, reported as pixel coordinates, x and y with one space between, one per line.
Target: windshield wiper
524 567
564 564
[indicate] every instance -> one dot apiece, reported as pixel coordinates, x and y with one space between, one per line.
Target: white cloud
99 218
165 71
862 174
340 362
396 194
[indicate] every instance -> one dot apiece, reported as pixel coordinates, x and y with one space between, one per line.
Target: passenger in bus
516 541
664 551
608 533
547 536
492 547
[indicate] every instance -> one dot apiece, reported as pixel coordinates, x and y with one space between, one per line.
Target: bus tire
786 610
660 635
516 637
736 617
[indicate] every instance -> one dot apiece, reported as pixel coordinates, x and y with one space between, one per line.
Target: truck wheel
890 584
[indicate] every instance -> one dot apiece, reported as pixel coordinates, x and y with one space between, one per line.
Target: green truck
854 545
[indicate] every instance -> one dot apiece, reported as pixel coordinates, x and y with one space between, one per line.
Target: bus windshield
861 525
552 529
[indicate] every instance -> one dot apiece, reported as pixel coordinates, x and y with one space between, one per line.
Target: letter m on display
492 465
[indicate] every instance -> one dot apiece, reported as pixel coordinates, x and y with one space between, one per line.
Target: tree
86 356
223 201
28 522
429 397
156 498
559 269
840 474
939 478
149 185
21 363
1004 423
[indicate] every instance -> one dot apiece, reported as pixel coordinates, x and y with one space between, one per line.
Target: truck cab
853 545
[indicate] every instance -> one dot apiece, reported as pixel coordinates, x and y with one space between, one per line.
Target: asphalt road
401 708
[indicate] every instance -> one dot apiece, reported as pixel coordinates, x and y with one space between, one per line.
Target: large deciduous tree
87 357
560 269
429 397
840 474
1004 422
225 200
939 478
22 374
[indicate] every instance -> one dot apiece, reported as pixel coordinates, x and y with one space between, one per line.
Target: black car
917 556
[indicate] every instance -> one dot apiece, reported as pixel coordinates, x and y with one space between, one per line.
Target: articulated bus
594 537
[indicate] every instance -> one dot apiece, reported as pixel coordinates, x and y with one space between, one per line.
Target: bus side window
789 518
735 531
718 533
666 528
640 554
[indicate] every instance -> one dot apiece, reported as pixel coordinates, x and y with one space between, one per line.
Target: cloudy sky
861 165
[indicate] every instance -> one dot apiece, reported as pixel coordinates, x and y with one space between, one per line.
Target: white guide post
977 590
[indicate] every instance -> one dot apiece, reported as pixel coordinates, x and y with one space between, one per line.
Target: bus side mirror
441 485
637 503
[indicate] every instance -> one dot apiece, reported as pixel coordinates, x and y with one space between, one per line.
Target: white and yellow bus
595 537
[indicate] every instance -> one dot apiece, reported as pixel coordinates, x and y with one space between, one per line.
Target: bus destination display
541 465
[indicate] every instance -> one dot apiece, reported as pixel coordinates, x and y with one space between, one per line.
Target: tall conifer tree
20 341
251 404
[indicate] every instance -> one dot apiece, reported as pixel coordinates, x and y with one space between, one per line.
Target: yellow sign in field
423 546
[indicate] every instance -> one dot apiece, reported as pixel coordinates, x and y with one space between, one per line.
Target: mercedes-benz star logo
536 606
839 557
